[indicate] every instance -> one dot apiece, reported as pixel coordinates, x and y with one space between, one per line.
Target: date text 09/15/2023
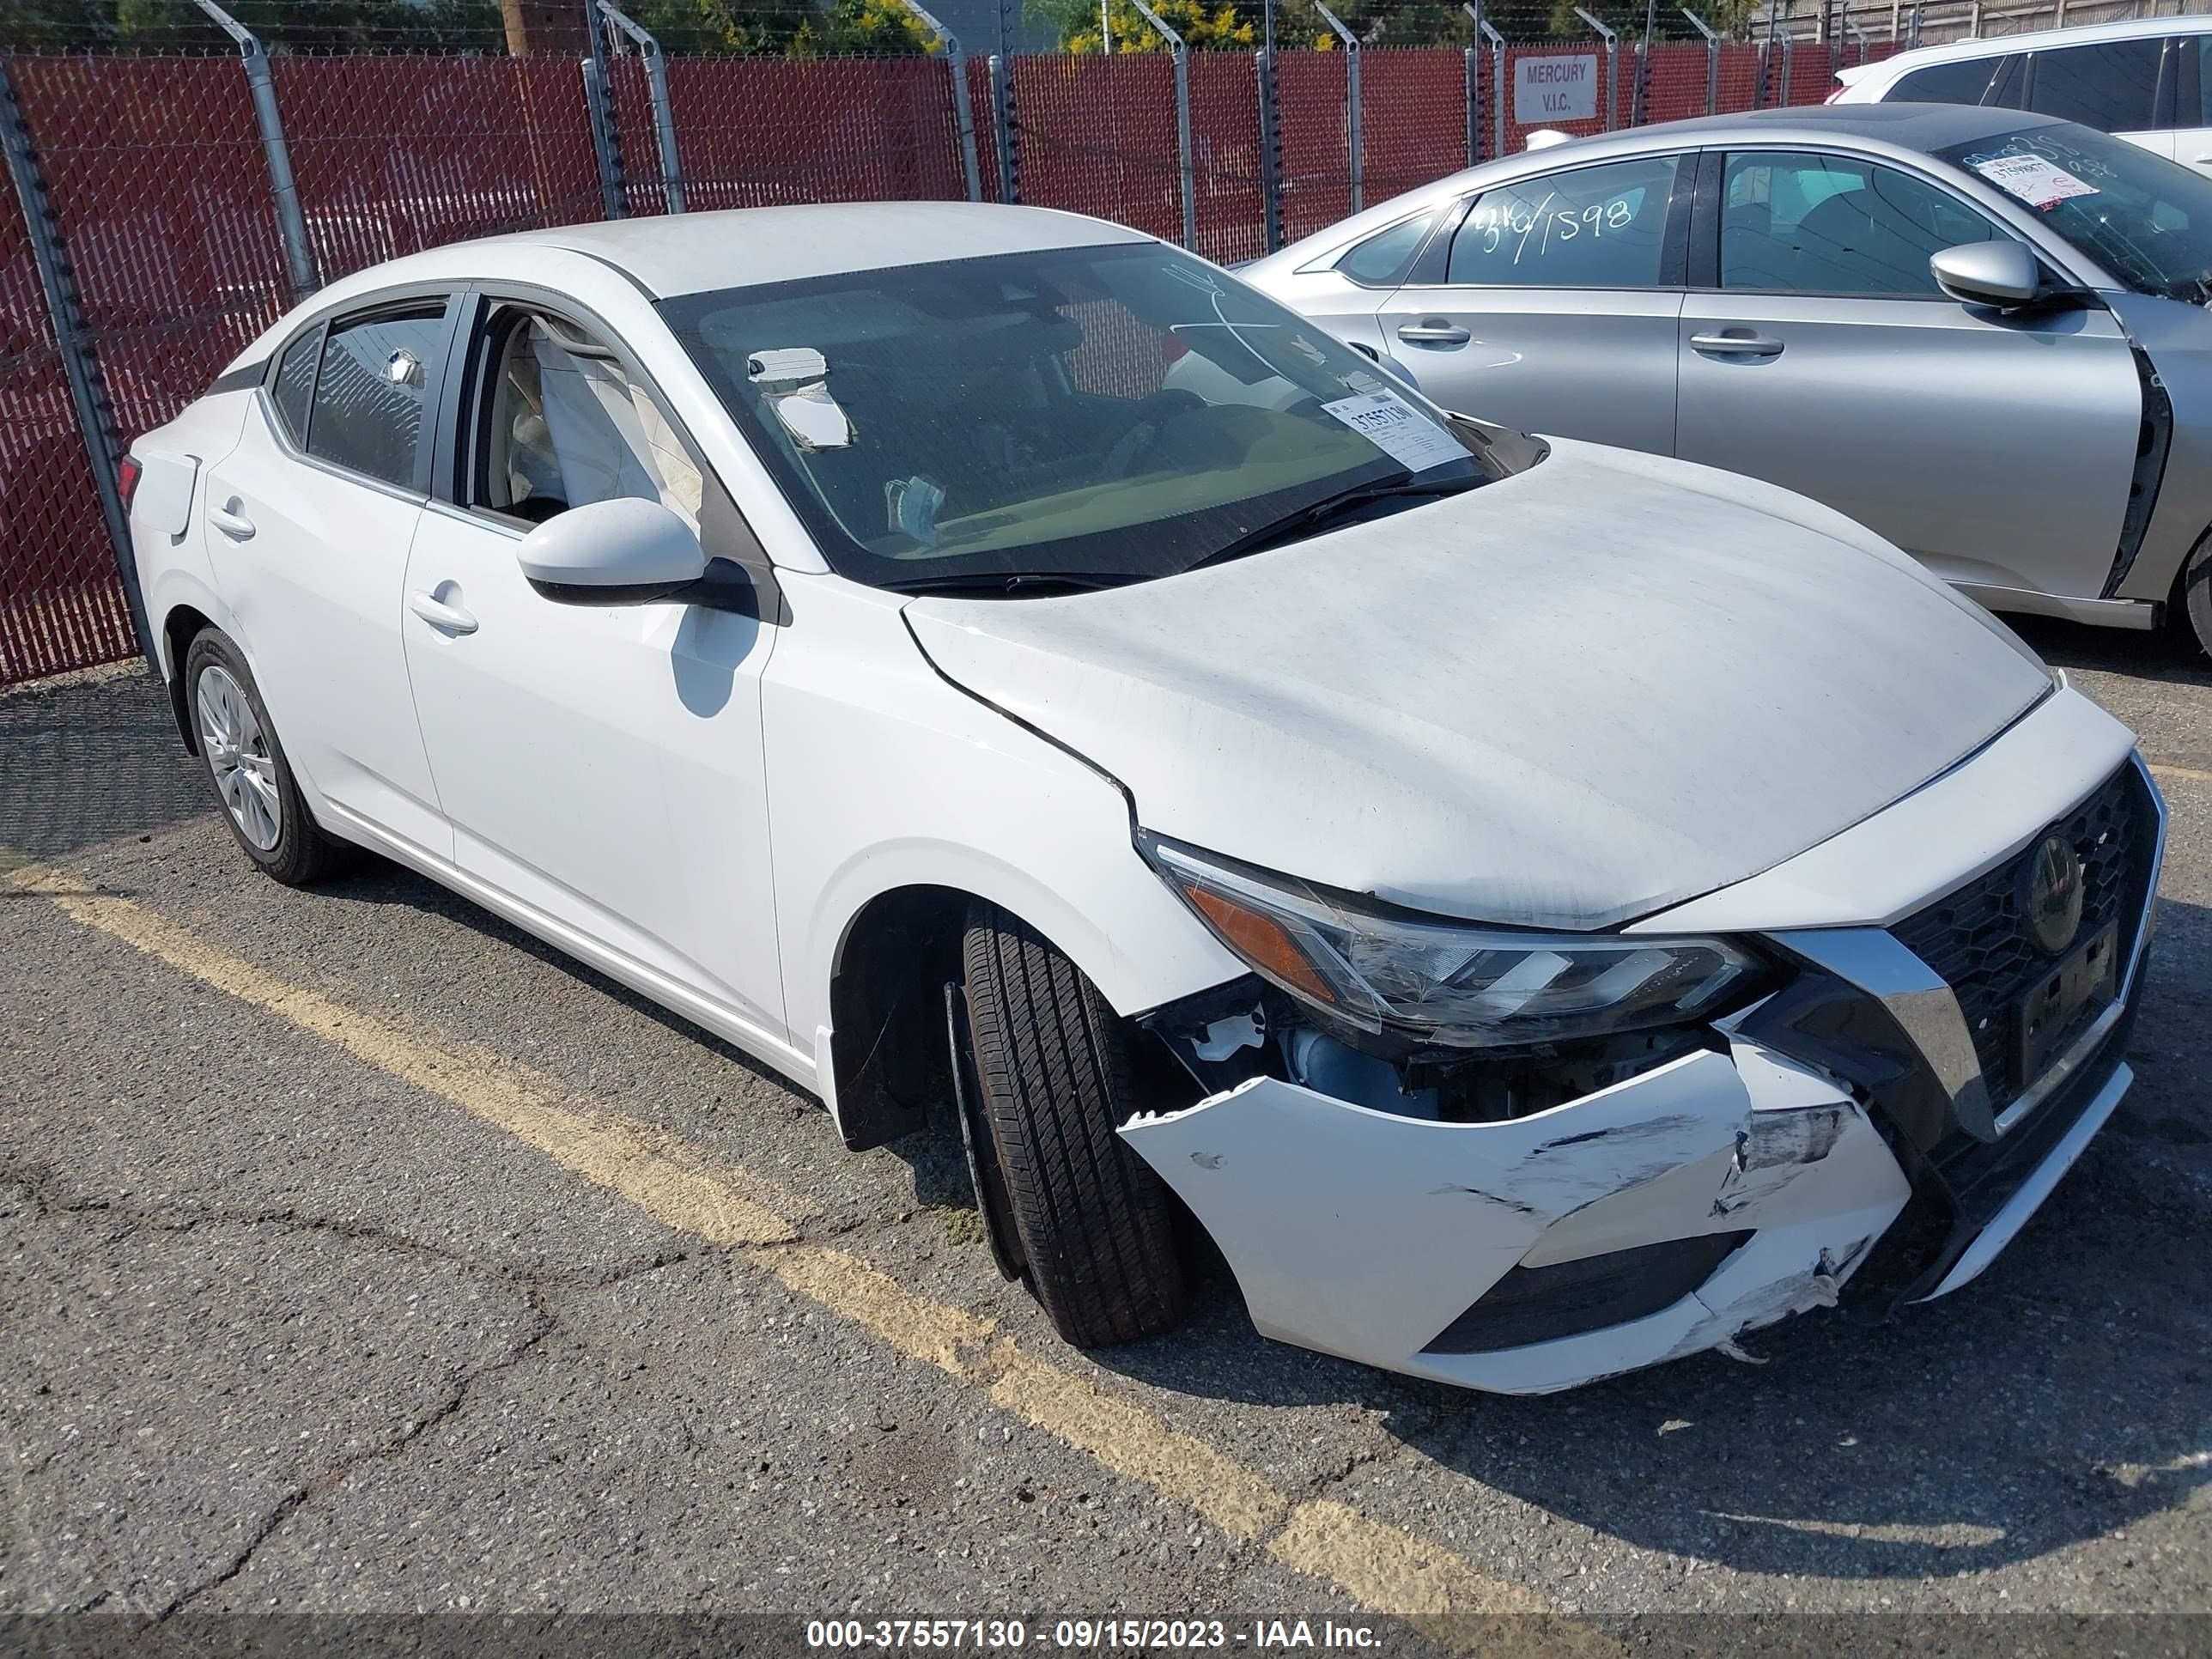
1089 1635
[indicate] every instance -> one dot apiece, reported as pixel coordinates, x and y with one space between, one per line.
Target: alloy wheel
237 751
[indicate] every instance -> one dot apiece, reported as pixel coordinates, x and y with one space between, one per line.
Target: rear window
2112 86
1945 83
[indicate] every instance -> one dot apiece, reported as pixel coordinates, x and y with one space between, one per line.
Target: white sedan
1542 909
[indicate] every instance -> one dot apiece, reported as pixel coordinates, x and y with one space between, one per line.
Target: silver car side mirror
2003 273
625 552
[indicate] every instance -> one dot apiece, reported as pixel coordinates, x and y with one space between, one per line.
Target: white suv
2143 80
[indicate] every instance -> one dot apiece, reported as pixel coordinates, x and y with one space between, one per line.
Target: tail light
1834 95
128 471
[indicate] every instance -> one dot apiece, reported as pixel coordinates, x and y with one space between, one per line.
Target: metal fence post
614 199
957 61
1473 121
95 418
291 223
1788 46
1612 67
1271 154
1913 39
1497 78
1002 127
1186 173
1857 33
1474 11
1356 159
656 85
1712 61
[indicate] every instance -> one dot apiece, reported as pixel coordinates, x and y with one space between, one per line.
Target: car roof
1913 126
743 248
2131 29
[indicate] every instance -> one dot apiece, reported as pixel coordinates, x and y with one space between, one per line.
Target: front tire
246 768
2192 596
1095 1224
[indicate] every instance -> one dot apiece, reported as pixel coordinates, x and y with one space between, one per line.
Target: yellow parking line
1382 1567
2187 774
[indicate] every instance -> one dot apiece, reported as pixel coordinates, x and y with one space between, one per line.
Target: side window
563 424
1962 83
2112 86
1599 227
1830 224
370 396
1381 260
296 381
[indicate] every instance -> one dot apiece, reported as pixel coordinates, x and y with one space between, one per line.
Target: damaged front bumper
1853 1137
1520 1257
1380 1237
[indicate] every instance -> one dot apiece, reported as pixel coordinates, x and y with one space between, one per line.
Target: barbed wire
836 28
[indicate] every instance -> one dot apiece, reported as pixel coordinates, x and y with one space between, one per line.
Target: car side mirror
2004 274
628 550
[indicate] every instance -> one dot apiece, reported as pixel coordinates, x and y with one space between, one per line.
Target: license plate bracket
2062 1001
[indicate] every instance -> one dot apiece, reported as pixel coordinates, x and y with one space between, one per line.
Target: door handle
232 522
1737 345
1435 331
446 618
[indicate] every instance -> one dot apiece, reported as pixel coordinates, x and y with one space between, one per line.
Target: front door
1556 308
1999 449
601 766
309 521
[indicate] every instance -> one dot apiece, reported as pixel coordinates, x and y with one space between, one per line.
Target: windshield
2145 219
1105 414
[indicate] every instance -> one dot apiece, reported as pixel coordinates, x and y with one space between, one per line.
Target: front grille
1978 938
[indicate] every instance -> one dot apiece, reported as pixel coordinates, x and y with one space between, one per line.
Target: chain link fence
162 244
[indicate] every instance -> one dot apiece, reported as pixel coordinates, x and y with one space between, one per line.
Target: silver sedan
1980 332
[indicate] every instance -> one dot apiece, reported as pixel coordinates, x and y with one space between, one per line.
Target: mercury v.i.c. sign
1549 89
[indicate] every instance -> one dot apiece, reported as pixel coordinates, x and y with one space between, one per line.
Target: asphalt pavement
360 1256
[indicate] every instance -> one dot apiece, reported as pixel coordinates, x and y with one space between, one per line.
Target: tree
1222 24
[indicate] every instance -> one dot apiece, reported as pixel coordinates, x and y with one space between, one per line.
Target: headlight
1438 981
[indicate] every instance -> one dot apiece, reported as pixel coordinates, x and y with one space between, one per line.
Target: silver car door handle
1433 334
451 618
1737 345
232 522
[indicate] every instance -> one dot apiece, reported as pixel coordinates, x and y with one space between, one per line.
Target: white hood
1599 687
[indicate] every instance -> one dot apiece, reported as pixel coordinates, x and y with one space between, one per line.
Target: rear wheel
2192 596
245 764
1094 1226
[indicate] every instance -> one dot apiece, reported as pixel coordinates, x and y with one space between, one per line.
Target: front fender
883 775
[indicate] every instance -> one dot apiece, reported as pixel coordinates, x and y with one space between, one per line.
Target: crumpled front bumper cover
1367 1234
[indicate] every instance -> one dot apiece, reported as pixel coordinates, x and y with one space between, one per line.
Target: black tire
2192 596
1096 1225
302 852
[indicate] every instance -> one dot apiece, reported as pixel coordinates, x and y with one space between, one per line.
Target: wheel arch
181 626
885 1049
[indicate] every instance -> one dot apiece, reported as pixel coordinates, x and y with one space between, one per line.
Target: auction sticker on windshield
2038 182
1398 429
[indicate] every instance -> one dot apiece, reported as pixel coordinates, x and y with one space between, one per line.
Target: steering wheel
1142 434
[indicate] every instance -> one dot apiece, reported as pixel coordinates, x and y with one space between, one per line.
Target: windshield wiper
1328 506
1011 581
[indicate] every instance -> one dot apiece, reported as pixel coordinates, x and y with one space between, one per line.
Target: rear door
1817 353
309 522
1551 306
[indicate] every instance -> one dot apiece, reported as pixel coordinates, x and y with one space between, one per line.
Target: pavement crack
543 1324
38 1184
